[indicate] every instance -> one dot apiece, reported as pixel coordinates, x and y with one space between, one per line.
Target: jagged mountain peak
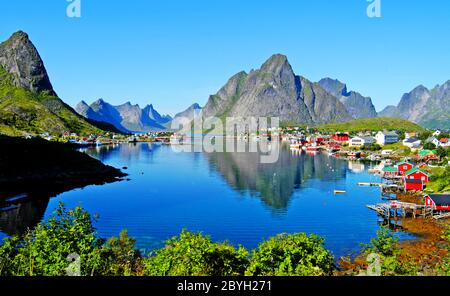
277 64
275 91
20 58
334 86
125 117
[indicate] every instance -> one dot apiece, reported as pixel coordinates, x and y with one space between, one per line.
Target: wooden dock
441 216
396 209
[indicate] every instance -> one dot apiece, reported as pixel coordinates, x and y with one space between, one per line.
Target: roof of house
411 140
444 140
403 162
426 152
391 133
415 170
390 169
440 199
413 181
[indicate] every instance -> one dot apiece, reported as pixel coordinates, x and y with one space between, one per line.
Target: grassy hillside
372 124
22 111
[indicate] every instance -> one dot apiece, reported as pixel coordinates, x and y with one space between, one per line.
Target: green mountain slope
28 103
372 124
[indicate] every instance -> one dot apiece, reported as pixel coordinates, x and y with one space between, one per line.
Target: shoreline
29 166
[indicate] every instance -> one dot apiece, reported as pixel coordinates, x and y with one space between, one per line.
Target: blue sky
175 52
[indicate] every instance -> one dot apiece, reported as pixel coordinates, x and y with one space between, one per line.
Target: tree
392 260
45 250
291 255
192 254
441 152
429 146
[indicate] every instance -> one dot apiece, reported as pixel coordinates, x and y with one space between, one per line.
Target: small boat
340 192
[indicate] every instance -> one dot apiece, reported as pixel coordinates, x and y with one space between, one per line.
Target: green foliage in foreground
372 124
193 254
44 252
296 254
386 246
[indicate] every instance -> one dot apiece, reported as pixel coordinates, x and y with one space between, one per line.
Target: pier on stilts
398 209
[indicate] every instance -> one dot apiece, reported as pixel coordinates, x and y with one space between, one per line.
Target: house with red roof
417 174
439 202
403 167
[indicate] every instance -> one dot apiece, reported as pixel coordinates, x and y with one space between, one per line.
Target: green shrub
291 255
44 251
120 256
392 261
192 254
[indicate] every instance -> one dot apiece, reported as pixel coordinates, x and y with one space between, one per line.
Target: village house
439 202
414 185
341 138
417 174
412 142
444 142
411 135
404 167
361 141
386 153
437 133
390 172
384 138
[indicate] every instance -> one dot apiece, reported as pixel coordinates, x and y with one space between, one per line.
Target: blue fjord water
229 196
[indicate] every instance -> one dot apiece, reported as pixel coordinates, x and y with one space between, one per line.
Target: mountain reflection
275 183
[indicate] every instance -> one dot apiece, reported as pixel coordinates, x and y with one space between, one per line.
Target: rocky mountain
28 103
275 91
127 118
190 113
20 58
427 107
357 105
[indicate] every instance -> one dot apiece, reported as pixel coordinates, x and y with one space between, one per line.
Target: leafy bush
121 257
44 251
192 254
291 255
429 146
392 260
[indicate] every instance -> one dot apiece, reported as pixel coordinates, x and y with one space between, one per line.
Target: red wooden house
341 137
439 202
417 174
404 167
414 185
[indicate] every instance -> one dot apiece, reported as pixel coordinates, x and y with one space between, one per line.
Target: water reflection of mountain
275 183
128 152
22 216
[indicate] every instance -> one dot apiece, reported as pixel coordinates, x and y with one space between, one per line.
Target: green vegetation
372 124
392 262
192 254
22 111
439 180
287 255
44 252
